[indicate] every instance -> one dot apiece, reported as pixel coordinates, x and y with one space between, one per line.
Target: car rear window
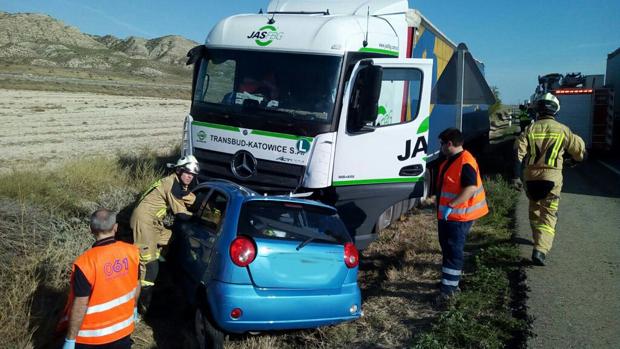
291 221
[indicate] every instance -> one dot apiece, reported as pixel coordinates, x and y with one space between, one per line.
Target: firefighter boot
144 302
538 258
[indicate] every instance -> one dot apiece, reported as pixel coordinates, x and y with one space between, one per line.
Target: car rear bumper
269 309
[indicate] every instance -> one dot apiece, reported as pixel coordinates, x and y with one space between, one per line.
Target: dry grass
43 227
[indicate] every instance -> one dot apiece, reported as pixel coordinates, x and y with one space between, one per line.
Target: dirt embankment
44 128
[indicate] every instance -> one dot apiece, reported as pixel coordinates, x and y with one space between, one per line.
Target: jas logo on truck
420 146
266 35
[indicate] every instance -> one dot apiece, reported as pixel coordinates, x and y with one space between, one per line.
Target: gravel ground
45 128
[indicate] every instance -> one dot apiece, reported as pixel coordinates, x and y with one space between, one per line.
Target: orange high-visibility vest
471 209
112 271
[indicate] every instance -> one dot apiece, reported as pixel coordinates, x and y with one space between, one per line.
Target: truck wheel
384 220
398 210
208 335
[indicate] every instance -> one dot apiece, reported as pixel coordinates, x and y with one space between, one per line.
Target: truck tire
397 211
384 220
413 203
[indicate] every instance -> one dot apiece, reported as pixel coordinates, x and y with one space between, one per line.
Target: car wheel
207 335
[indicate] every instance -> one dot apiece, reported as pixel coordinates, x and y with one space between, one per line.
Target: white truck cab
315 97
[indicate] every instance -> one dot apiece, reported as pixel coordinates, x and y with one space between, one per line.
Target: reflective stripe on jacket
471 209
541 148
112 272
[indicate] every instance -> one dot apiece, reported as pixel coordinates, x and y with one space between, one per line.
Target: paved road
575 299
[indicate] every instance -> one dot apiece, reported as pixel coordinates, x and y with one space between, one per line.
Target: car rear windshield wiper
304 243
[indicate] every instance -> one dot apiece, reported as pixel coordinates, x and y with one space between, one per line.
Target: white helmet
189 164
547 104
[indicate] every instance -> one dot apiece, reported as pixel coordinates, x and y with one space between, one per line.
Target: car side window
213 211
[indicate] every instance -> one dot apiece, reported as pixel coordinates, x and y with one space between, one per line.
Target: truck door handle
411 170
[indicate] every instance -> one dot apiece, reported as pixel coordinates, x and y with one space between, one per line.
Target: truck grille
270 176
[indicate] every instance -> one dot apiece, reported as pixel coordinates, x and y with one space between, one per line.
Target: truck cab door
381 143
391 148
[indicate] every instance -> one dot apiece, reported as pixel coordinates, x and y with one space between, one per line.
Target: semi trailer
339 101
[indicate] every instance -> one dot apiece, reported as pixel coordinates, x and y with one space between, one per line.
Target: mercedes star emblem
243 164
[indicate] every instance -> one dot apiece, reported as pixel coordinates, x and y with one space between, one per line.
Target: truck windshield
273 87
291 221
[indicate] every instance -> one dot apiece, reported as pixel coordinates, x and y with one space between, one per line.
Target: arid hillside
40 52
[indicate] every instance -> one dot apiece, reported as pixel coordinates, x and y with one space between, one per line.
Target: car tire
207 334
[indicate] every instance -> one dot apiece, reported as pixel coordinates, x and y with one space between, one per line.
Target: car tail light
351 256
242 251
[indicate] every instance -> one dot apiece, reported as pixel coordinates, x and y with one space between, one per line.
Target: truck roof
297 32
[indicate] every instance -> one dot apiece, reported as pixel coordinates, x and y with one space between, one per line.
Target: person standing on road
101 309
461 201
540 151
169 194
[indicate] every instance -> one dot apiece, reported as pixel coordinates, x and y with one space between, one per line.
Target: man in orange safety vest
101 309
461 200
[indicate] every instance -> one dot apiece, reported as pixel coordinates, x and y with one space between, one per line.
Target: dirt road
48 127
575 300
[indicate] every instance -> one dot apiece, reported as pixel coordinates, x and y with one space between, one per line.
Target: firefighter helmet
189 164
547 104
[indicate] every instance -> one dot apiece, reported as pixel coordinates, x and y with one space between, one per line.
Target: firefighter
101 311
461 201
540 151
167 195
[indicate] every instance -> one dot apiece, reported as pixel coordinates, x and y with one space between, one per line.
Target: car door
197 237
392 148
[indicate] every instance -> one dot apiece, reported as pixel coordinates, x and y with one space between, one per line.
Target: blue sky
517 40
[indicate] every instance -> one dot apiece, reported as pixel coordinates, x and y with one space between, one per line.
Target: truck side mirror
364 100
195 54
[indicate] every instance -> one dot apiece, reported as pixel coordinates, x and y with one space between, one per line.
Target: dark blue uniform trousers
452 237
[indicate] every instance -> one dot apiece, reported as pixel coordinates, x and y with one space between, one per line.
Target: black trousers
123 343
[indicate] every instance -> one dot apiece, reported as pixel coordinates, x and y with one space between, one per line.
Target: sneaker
538 258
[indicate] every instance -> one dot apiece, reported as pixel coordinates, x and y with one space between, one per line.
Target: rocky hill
43 41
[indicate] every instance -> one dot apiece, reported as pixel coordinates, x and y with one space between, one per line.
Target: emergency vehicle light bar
573 91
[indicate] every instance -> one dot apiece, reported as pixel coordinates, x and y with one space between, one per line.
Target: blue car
255 263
